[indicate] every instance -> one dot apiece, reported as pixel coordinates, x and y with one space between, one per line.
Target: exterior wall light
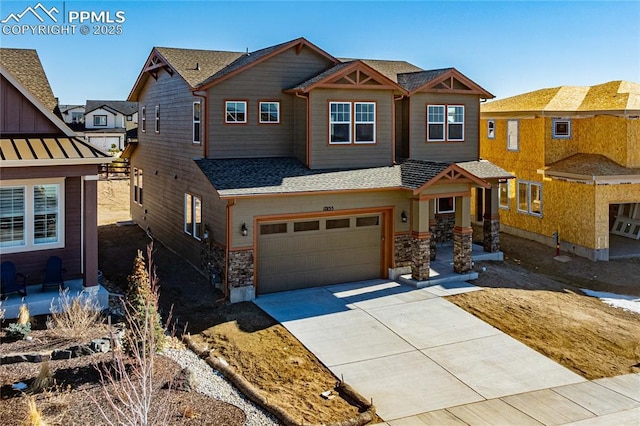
244 230
403 216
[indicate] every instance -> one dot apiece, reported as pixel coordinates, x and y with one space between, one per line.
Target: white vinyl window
561 129
269 112
435 122
193 216
100 120
503 191
235 111
143 119
365 122
446 205
530 198
137 186
31 217
512 135
157 118
196 122
340 122
455 123
491 129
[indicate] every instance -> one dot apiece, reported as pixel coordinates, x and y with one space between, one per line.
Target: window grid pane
197 217
340 122
435 122
236 112
365 119
196 122
12 212
45 223
455 119
188 214
269 112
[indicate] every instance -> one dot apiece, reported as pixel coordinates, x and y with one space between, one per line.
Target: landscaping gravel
212 383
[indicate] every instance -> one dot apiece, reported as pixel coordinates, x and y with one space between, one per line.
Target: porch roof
47 151
592 168
270 176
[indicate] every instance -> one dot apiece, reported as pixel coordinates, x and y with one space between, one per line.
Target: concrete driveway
409 349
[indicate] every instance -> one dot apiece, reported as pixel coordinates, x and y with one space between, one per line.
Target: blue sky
508 47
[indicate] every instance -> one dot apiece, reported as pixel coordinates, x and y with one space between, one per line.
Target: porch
39 302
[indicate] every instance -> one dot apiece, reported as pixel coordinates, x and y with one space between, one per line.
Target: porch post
90 231
462 235
420 240
491 220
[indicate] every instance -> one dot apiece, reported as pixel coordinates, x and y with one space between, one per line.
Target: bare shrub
128 385
44 380
74 317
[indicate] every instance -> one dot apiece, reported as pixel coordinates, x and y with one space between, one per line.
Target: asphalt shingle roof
25 66
331 71
388 68
208 62
123 107
590 165
415 80
485 170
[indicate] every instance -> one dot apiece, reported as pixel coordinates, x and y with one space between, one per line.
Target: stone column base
420 252
491 237
462 241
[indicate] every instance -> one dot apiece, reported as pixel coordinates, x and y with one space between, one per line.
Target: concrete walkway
424 361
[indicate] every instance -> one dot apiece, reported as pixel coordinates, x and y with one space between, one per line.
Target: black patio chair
53 275
11 281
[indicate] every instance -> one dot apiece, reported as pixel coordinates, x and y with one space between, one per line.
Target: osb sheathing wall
603 134
633 143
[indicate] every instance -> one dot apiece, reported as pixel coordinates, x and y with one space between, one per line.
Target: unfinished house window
269 112
235 111
530 198
446 205
339 122
365 122
561 129
491 129
435 122
503 189
157 118
100 120
196 122
143 119
193 216
455 123
137 186
512 135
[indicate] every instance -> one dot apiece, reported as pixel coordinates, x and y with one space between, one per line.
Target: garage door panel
304 259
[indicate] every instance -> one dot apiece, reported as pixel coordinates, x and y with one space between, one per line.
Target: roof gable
122 107
26 68
446 80
349 75
451 174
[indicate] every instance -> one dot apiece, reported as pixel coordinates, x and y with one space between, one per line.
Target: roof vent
248 52
197 66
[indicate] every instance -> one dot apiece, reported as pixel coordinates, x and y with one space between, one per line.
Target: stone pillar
420 256
462 236
90 231
240 276
491 220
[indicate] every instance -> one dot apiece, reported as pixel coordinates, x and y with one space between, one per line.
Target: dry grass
44 379
24 316
74 317
34 415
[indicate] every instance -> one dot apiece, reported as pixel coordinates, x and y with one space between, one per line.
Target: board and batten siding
420 149
325 155
166 159
263 82
246 209
18 115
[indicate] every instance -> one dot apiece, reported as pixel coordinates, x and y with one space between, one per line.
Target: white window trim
198 121
443 123
491 125
246 112
106 120
356 122
517 144
193 231
456 122
350 122
157 119
553 128
143 119
137 174
453 210
529 185
277 104
29 215
508 185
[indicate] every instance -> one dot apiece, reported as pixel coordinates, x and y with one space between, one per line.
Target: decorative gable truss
452 81
155 63
453 174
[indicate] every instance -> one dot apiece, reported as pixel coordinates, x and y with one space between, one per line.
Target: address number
327 208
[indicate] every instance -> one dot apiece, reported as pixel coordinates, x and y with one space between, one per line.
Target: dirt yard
529 296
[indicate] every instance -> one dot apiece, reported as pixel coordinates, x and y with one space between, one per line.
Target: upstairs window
196 122
435 123
445 123
235 111
99 120
143 119
455 123
340 122
561 129
491 129
512 135
77 117
365 122
269 112
157 119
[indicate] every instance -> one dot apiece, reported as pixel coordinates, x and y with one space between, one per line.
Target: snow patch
622 301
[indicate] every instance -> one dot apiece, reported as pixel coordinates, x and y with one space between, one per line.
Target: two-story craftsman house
575 152
287 168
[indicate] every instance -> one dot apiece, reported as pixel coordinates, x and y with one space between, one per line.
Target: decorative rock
61 354
184 381
12 359
100 345
81 350
462 243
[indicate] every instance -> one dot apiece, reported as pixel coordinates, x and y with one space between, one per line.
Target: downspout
308 132
230 204
203 123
